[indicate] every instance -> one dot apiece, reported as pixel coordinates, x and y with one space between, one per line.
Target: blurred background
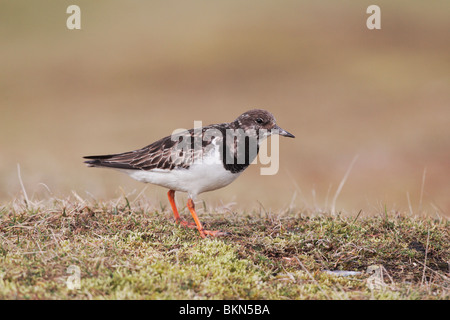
137 70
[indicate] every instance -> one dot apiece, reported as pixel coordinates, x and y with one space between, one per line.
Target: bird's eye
259 120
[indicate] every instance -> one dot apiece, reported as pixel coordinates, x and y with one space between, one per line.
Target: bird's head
258 119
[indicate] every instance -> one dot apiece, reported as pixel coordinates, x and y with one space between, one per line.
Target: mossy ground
125 251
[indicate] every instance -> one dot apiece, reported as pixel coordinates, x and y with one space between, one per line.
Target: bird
197 160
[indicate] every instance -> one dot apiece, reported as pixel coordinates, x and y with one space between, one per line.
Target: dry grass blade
426 255
312 278
27 201
341 185
422 188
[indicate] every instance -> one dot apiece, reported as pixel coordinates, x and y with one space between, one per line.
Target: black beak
283 132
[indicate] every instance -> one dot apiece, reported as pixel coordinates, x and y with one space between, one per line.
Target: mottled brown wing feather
158 155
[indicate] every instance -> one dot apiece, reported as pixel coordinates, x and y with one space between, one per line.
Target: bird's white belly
195 180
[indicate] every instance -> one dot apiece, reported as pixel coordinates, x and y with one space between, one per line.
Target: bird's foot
216 233
186 224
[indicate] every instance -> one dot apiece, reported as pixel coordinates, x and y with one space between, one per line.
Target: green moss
126 252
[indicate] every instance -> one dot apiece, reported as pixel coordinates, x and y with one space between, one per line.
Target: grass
126 250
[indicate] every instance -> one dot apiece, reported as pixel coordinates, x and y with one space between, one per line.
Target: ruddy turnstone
196 160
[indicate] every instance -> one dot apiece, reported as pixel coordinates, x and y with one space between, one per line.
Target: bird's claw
186 224
216 233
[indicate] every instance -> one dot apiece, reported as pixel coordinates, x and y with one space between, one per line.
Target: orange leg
203 232
171 195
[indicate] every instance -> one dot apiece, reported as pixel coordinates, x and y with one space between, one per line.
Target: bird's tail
96 161
103 161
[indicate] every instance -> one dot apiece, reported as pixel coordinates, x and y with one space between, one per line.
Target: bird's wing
175 151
